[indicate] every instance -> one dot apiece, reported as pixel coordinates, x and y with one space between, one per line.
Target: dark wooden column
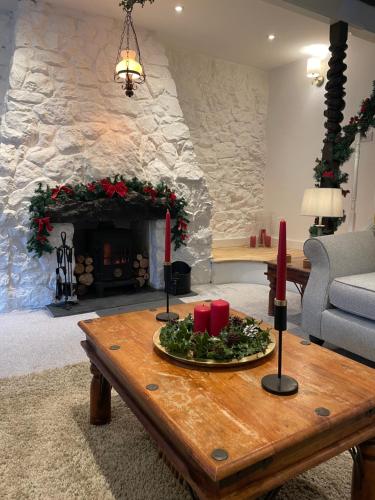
335 93
335 104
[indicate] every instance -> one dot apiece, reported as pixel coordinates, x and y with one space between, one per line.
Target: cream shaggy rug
49 451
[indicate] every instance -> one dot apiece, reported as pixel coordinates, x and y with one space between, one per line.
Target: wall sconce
314 71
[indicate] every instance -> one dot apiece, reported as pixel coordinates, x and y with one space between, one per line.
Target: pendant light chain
129 72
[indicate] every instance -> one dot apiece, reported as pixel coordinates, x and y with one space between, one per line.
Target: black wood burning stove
113 254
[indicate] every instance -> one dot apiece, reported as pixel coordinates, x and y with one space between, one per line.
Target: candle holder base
280 386
167 316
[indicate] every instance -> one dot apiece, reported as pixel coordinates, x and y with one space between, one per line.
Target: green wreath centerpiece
241 338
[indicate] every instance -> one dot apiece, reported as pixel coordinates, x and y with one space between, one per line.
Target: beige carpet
49 451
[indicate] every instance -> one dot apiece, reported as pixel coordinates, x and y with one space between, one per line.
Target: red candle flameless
253 241
267 241
281 263
219 316
202 315
167 257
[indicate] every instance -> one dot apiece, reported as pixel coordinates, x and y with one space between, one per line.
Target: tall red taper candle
281 263
167 257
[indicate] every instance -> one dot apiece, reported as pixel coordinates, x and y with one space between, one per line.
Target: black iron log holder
279 384
167 315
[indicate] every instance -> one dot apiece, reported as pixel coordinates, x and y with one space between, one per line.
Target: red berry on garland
91 186
328 174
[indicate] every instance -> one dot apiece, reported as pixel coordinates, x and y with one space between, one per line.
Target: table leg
363 481
271 297
100 398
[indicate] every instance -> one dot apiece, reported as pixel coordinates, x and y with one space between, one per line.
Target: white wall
295 130
225 107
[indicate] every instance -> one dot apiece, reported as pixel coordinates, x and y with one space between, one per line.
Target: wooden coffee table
295 272
219 429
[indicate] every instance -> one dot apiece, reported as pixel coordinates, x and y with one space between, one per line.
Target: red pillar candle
267 241
262 235
167 257
219 316
281 263
202 315
253 241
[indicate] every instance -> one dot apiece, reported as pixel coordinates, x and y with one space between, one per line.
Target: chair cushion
354 294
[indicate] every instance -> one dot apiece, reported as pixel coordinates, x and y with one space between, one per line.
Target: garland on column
342 148
117 188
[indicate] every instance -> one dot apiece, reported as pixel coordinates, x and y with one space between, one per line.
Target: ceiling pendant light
129 70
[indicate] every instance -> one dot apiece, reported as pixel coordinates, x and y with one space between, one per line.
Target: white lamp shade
322 202
314 67
129 66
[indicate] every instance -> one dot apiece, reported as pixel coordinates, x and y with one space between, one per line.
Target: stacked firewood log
84 270
141 269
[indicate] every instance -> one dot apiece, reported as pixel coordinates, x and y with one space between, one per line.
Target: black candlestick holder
279 384
167 315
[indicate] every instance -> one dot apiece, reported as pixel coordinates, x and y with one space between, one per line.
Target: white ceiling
234 30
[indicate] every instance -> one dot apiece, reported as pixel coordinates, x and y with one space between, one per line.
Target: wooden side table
295 272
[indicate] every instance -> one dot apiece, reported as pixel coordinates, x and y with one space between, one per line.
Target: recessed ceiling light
271 37
179 8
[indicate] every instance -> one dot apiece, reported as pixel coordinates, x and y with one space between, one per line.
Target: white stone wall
225 107
6 46
65 120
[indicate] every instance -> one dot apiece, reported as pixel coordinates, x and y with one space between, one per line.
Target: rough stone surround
225 106
6 45
65 120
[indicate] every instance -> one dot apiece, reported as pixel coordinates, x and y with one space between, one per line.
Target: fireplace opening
110 259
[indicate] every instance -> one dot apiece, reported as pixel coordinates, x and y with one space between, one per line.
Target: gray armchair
339 299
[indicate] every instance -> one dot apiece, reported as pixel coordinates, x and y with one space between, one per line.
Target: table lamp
322 202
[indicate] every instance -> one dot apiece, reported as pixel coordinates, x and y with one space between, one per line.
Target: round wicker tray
213 363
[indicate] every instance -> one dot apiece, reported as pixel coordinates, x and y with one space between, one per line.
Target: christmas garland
240 338
116 188
342 148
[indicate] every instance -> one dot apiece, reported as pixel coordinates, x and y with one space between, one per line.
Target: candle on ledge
253 241
267 240
202 315
219 316
281 263
167 257
262 235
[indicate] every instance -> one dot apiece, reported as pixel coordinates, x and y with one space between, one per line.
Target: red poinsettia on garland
114 188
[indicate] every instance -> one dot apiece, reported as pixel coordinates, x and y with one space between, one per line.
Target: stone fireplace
64 120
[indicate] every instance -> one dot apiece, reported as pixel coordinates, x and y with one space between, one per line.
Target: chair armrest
331 257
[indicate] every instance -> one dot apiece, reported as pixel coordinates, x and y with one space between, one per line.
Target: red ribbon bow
151 192
111 189
172 198
58 189
44 222
182 226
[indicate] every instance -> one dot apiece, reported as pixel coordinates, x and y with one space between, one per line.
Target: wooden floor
233 254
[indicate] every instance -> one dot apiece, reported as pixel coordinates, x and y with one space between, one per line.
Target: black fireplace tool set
65 288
